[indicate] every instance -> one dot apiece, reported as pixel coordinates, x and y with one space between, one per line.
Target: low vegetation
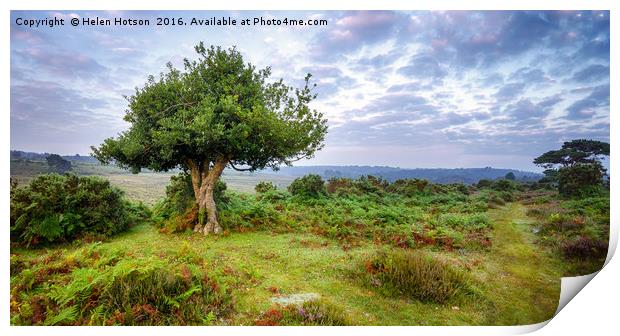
60 208
373 252
414 275
94 285
577 229
310 313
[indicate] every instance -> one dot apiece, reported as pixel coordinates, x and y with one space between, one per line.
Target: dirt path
523 279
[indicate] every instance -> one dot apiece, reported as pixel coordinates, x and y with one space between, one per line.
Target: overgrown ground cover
253 267
373 253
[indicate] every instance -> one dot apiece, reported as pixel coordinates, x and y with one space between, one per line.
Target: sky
417 89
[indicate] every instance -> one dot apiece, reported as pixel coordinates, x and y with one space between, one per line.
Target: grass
414 274
519 285
524 279
482 245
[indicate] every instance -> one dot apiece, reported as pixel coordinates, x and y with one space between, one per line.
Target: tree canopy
580 170
572 152
218 112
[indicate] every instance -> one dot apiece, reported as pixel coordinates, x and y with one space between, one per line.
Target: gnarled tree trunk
204 177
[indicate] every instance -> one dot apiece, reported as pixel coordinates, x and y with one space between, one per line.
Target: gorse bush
309 185
263 187
581 180
415 275
55 208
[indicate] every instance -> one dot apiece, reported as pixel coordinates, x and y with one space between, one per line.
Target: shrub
262 187
341 186
585 247
408 187
484 183
415 275
474 221
273 195
162 296
504 185
310 313
55 208
310 185
371 184
580 180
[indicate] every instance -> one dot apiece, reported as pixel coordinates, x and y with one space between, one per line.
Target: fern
188 293
64 316
209 319
79 288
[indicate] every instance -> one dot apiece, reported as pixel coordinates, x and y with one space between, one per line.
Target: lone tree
219 112
576 166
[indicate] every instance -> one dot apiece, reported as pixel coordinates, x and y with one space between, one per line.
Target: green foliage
414 275
263 187
580 180
310 185
475 221
164 297
581 172
510 176
100 286
55 208
580 151
504 185
57 164
219 106
577 229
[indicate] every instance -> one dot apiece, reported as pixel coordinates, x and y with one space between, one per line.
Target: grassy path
523 280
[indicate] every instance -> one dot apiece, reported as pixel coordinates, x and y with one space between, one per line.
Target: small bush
310 185
263 187
581 180
585 247
341 186
310 313
163 297
408 187
55 208
474 221
415 275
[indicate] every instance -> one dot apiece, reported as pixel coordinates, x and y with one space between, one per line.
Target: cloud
72 65
509 91
423 67
587 107
594 72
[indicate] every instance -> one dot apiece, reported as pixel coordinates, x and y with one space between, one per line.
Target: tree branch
239 169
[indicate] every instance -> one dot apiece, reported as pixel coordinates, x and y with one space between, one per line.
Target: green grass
284 245
519 283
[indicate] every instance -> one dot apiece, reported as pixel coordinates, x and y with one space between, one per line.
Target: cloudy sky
408 89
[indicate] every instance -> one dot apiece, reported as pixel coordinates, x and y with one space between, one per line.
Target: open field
147 187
